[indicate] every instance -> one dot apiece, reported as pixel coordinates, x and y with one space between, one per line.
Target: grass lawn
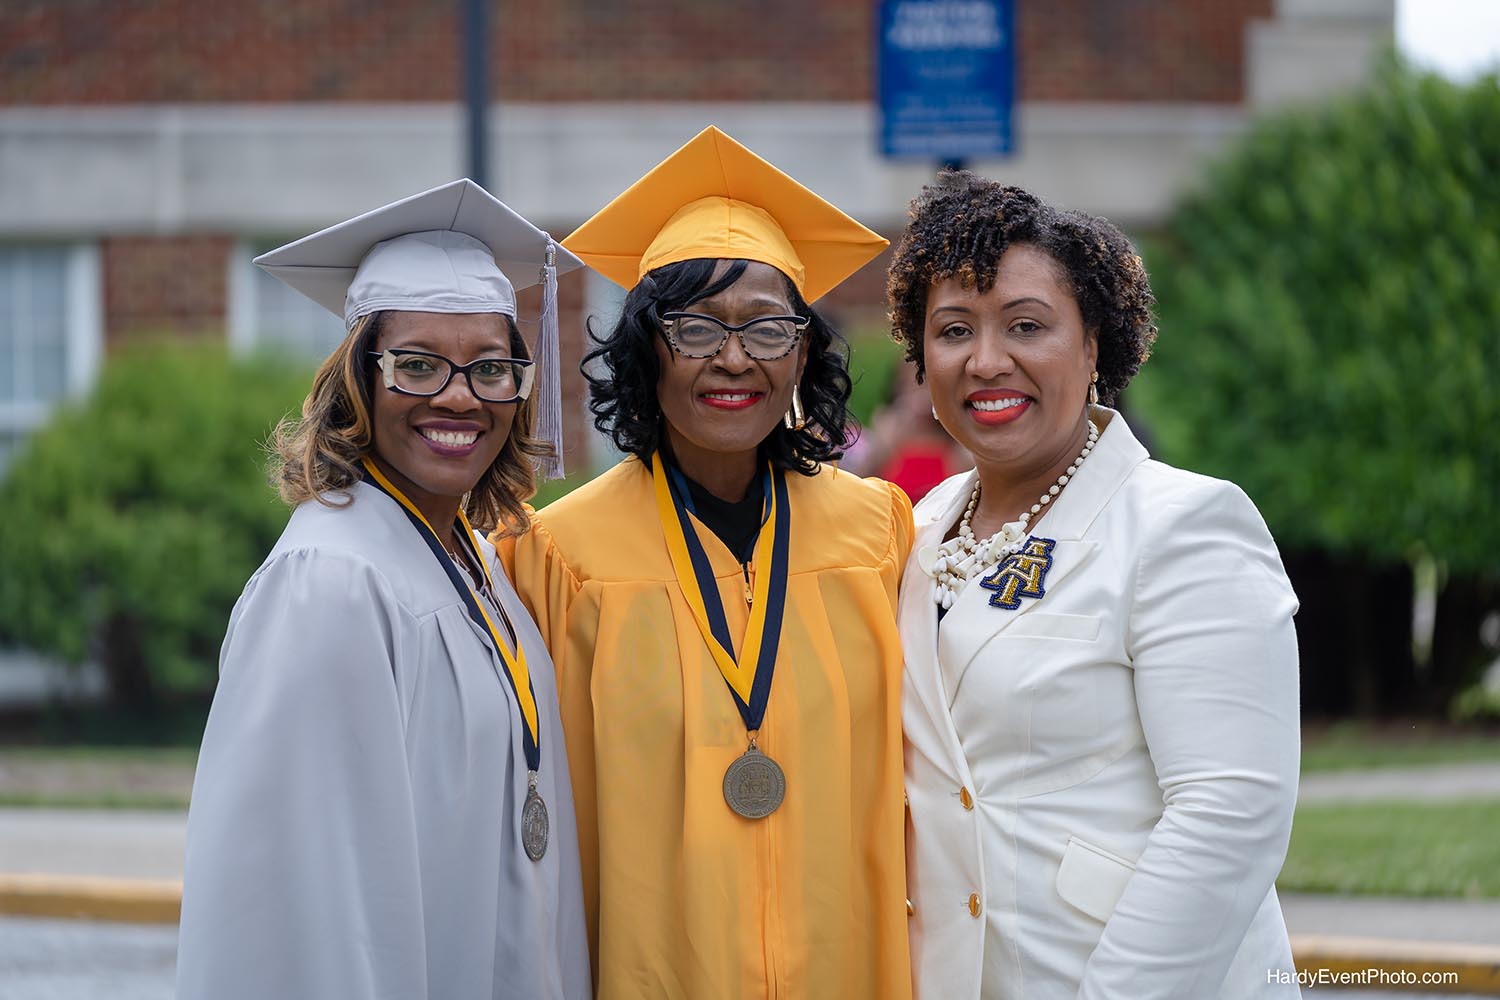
1348 746
1396 849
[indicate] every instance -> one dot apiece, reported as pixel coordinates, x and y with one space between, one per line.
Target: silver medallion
534 825
754 784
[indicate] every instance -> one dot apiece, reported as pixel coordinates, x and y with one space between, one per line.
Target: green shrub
1330 324
1480 703
133 520
875 361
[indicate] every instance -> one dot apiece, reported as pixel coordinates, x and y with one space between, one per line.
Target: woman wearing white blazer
1101 704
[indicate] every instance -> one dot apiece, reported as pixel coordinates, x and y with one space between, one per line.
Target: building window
264 313
50 333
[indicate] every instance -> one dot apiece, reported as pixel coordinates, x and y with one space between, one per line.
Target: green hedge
1330 323
132 521
875 362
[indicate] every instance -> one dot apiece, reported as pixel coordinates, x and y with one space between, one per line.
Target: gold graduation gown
684 897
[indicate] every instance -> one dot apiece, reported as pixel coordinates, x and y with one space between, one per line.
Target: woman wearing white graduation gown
382 804
1101 698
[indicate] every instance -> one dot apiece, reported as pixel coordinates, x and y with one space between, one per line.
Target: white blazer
1101 781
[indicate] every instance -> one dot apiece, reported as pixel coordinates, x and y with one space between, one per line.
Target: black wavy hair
962 225
623 392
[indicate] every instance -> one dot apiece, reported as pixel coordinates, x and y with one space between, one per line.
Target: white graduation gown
355 824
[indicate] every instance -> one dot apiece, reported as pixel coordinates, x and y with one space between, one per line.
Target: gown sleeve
1215 657
547 586
904 527
301 877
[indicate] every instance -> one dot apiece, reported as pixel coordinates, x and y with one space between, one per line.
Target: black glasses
420 373
765 338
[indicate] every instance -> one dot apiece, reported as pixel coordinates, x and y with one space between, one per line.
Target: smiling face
436 448
1009 369
718 410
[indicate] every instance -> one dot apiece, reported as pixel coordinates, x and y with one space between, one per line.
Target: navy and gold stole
749 674
516 671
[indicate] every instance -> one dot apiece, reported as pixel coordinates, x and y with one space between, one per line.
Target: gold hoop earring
1094 389
795 418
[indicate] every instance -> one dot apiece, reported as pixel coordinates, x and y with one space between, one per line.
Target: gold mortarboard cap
715 199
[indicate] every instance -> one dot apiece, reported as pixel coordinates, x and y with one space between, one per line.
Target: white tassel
549 360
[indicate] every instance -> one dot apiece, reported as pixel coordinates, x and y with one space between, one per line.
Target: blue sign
947 78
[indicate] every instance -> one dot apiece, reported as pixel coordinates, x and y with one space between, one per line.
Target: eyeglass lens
492 380
764 340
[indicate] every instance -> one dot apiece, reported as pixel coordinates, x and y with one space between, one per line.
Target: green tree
132 521
1330 317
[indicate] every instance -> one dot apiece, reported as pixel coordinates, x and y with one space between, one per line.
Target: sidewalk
1432 783
149 845
115 843
124 843
1453 921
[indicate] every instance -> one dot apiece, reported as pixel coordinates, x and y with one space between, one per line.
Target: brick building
148 150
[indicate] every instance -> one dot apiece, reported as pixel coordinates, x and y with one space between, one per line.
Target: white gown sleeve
301 877
1215 658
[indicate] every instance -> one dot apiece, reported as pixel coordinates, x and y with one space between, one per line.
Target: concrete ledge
141 901
1386 964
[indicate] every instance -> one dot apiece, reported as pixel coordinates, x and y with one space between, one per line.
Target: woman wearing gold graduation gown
785 876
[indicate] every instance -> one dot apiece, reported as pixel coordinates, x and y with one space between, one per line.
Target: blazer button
909 908
966 798
973 904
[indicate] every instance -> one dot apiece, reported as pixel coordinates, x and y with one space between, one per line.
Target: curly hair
623 396
318 457
962 225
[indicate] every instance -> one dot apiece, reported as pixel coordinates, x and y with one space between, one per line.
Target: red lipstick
741 400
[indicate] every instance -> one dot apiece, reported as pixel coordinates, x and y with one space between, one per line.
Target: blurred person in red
904 443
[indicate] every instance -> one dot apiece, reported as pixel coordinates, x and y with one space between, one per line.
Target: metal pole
476 85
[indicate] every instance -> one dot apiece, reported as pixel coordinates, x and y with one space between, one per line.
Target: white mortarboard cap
453 249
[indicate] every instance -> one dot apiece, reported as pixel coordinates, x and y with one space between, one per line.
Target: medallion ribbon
516 671
748 675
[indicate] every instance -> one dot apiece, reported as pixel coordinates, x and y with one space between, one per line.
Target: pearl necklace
961 556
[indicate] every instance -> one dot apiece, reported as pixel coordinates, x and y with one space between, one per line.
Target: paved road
71 960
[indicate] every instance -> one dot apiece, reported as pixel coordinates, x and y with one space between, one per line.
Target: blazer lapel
1005 593
919 626
981 612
